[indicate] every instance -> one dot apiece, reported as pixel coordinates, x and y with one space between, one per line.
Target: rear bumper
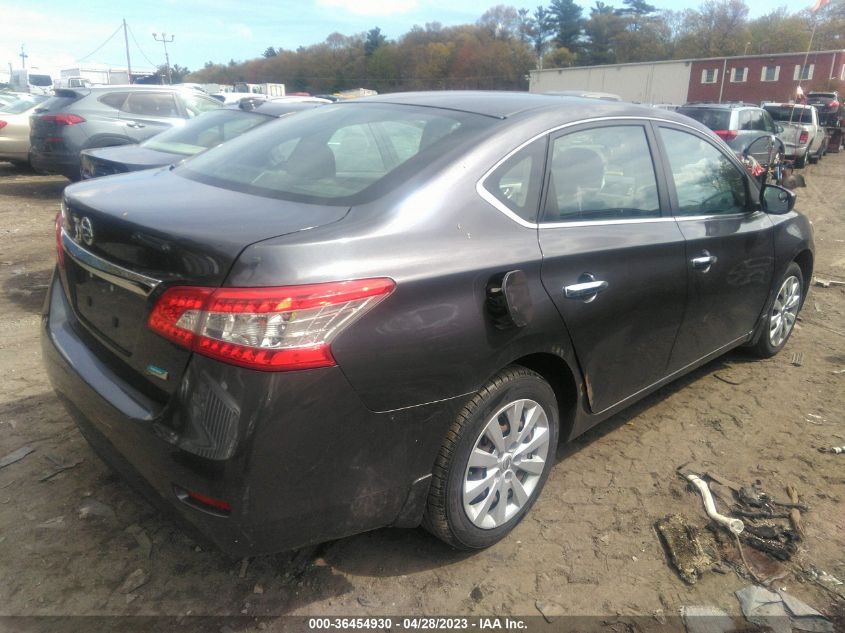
62 163
312 463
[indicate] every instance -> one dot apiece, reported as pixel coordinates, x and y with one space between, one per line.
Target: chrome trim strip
117 275
668 378
489 197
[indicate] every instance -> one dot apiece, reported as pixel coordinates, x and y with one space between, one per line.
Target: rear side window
517 182
712 118
790 114
706 181
339 154
114 99
752 120
155 104
601 174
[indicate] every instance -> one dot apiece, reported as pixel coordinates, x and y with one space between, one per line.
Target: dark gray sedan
178 143
389 311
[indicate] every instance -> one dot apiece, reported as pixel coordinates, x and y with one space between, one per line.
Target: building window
739 75
770 73
803 71
709 75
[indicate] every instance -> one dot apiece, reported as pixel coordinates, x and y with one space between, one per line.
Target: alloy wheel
506 464
784 310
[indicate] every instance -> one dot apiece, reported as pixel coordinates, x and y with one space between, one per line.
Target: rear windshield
206 131
22 104
53 104
40 80
788 114
714 119
336 154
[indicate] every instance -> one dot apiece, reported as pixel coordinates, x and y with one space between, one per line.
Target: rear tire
494 460
801 162
782 313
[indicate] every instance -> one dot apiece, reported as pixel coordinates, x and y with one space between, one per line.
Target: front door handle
134 124
704 261
587 288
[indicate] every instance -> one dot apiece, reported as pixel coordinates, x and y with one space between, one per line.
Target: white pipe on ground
734 525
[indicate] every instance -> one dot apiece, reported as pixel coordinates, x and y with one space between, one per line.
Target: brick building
750 78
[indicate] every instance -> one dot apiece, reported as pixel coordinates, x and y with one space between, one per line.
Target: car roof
502 105
720 106
280 108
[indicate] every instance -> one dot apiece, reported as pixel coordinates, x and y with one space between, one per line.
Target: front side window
601 174
517 182
706 181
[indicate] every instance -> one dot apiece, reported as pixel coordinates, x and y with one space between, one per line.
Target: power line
143 54
101 45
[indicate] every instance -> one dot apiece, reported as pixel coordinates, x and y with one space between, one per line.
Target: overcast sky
58 33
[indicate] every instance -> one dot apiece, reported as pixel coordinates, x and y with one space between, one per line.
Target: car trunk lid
129 237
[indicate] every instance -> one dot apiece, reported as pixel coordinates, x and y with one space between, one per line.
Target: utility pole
23 57
126 42
165 41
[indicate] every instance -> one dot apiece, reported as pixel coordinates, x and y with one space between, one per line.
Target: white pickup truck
803 138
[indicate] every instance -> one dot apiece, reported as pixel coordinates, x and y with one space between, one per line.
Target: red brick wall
753 90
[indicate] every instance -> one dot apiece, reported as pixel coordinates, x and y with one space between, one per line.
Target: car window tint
204 132
753 120
155 104
706 181
336 154
517 182
196 105
601 174
714 119
114 99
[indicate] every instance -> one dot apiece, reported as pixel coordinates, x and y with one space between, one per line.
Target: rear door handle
587 288
704 261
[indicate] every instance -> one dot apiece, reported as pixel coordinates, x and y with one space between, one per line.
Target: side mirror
777 200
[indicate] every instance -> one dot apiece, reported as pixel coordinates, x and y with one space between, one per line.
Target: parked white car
803 138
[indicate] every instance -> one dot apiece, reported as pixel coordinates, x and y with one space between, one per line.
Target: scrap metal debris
136 579
93 508
144 542
798 359
15 456
682 542
836 450
827 283
780 612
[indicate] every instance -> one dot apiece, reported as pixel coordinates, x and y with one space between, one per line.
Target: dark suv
743 127
83 118
388 311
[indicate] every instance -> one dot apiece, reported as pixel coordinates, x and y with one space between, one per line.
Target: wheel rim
784 311
506 463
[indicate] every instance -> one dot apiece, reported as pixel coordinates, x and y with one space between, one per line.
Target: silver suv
100 116
744 128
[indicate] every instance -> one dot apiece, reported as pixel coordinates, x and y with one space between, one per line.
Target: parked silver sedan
14 127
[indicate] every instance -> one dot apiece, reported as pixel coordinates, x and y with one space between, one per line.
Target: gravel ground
72 544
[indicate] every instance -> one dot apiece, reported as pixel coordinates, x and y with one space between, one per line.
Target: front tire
782 314
494 460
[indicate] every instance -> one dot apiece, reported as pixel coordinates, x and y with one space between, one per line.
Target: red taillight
271 329
211 502
834 105
62 119
727 135
2 124
60 251
802 138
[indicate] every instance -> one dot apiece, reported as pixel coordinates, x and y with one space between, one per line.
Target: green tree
568 23
542 29
269 52
374 40
602 31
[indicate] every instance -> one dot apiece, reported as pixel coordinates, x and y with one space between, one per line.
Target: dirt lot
589 547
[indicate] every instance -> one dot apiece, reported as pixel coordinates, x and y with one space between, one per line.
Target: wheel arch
804 259
557 372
